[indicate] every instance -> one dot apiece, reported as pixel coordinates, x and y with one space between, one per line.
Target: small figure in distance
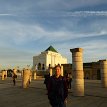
14 76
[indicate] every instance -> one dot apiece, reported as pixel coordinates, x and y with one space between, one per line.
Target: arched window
43 67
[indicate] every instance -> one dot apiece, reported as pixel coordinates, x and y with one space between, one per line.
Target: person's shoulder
63 78
52 77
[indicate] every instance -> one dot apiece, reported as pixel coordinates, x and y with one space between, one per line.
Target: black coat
57 90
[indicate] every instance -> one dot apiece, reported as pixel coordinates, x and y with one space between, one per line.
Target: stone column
15 71
50 71
22 73
30 78
6 73
3 75
26 78
103 69
78 74
62 72
34 75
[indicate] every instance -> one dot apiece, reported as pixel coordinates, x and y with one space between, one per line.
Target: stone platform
35 95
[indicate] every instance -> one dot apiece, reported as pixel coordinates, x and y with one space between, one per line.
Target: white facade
48 59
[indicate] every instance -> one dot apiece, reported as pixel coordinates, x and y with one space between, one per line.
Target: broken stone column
103 69
78 74
3 75
26 78
15 71
62 72
50 71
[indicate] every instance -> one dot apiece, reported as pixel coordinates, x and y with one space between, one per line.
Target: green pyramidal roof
51 49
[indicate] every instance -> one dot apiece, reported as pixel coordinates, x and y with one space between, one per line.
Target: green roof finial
51 49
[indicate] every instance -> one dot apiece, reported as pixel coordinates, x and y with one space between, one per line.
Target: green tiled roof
51 49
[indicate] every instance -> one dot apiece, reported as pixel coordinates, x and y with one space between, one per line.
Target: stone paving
35 95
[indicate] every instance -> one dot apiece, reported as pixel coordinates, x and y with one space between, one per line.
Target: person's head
57 70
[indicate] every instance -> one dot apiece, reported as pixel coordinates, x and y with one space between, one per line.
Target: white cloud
5 14
49 7
21 33
67 5
87 13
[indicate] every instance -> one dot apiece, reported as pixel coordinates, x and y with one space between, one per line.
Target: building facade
48 58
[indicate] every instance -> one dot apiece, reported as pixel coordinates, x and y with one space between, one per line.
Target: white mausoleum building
48 58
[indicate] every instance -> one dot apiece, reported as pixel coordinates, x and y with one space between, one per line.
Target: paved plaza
35 95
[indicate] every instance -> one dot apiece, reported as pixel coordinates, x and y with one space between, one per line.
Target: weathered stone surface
26 78
103 69
4 75
78 74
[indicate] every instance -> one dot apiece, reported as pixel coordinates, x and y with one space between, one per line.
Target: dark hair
58 66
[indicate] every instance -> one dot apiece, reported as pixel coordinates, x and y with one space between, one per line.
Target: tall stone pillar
26 78
78 74
62 72
103 69
50 71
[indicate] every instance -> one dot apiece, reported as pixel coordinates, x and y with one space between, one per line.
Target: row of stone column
27 76
78 74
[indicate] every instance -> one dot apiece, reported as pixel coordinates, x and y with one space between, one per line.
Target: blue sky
28 27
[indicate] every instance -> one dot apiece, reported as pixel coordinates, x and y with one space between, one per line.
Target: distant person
47 77
30 77
14 76
68 80
57 89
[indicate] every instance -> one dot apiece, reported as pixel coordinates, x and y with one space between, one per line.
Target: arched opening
87 75
98 74
43 67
